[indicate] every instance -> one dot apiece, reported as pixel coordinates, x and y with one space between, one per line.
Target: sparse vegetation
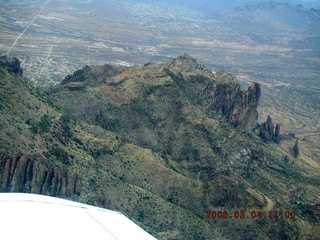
143 140
162 174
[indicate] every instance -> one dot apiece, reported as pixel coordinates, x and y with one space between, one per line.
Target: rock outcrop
12 64
296 149
245 113
37 175
268 132
277 134
219 92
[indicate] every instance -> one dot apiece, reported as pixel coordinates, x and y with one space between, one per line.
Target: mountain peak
185 56
217 94
185 63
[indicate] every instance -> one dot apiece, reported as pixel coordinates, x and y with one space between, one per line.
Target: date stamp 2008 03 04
250 214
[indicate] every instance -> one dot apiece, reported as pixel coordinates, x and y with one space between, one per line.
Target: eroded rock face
37 175
219 92
268 132
223 93
244 114
13 64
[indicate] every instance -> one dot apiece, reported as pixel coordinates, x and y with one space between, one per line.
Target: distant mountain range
273 19
206 5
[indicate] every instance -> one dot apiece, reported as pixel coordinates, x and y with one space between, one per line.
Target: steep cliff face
219 93
37 175
245 114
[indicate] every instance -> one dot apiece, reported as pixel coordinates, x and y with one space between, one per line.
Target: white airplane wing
31 216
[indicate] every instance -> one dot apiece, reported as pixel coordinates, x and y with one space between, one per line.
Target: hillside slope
161 143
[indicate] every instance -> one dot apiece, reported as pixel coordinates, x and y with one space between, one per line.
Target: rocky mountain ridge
219 92
161 143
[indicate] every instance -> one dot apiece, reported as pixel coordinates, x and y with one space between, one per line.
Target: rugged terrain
162 143
274 43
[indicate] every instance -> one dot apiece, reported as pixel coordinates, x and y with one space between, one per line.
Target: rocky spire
295 149
268 132
277 134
